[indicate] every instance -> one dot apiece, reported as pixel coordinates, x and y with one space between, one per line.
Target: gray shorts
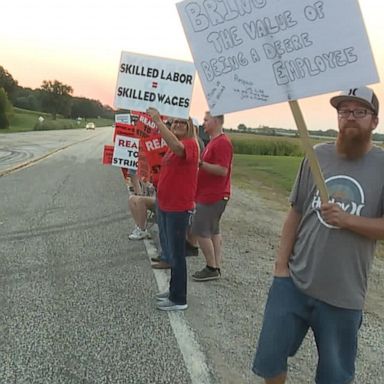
206 220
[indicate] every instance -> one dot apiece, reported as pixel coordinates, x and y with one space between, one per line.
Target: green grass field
23 121
269 172
251 144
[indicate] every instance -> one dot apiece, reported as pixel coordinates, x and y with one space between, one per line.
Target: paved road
76 297
19 149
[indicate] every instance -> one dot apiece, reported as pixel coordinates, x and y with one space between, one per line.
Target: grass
24 120
265 173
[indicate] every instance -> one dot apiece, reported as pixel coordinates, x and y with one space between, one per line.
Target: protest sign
252 53
108 154
154 149
145 126
148 81
126 152
124 130
124 118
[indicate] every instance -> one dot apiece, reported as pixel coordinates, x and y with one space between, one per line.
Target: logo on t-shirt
344 191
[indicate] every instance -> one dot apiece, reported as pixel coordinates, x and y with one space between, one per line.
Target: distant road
21 148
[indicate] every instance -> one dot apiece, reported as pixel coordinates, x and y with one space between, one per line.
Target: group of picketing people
326 248
191 194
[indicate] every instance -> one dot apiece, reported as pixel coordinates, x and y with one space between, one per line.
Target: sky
79 42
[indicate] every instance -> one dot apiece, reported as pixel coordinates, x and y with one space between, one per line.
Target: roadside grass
24 120
270 176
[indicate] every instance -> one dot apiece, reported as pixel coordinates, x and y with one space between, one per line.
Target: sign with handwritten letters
251 53
147 81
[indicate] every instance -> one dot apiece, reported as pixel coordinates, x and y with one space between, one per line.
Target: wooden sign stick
310 153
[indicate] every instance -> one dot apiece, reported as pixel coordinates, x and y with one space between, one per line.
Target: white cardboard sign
148 81
126 152
251 53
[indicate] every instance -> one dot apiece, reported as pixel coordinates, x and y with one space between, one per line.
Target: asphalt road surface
76 296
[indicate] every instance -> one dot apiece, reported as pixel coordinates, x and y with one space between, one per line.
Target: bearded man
326 250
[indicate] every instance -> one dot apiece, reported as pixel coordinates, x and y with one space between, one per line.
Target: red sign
124 130
154 149
108 154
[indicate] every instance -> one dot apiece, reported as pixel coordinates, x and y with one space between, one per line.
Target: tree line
52 97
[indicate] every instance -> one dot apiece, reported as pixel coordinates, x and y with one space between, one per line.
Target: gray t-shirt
328 263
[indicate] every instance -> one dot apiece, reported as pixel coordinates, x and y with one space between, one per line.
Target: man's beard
353 146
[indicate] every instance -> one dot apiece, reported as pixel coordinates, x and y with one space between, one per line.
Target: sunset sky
79 43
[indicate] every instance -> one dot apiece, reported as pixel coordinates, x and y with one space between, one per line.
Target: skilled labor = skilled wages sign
126 152
147 81
252 53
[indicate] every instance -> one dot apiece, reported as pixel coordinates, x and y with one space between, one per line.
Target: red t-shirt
212 188
178 179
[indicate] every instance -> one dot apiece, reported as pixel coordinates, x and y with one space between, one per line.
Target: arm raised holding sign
180 129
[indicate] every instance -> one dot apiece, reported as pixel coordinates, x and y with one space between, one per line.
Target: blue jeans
164 255
175 225
288 315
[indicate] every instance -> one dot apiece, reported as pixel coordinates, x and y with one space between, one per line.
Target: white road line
194 358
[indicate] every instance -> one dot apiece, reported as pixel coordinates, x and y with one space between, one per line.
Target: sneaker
190 250
135 230
206 274
162 296
139 234
168 305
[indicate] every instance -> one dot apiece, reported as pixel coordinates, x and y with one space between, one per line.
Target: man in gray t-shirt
326 250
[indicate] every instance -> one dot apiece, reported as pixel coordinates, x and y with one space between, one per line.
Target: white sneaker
139 234
168 305
135 230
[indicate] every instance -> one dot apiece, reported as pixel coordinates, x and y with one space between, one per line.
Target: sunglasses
180 122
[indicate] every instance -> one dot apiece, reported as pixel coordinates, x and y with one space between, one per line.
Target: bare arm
175 145
373 228
287 240
214 169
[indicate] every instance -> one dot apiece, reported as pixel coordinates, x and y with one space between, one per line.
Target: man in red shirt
212 195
